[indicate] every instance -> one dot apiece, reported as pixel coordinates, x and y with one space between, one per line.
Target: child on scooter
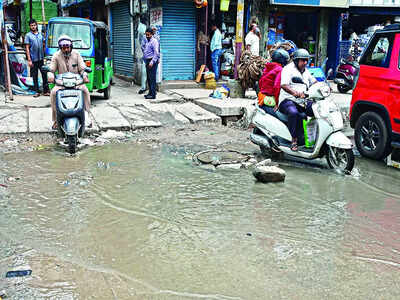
270 81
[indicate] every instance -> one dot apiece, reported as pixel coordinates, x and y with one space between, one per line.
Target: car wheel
371 136
342 89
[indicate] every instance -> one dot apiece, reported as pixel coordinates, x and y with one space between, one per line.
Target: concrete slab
30 101
191 94
196 114
13 121
167 113
109 118
140 117
224 108
40 121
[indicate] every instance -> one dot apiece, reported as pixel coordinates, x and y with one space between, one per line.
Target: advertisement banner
322 3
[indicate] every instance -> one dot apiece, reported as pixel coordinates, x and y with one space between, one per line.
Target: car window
379 51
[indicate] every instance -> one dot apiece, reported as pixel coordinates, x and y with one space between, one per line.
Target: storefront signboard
384 3
67 3
322 3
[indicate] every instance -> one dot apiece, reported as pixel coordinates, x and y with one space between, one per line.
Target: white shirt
290 71
254 41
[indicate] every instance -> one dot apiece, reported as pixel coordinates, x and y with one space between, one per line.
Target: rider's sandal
294 147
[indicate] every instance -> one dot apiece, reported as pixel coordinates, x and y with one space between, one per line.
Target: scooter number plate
68 93
340 80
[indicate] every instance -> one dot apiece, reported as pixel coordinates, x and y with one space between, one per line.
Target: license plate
340 81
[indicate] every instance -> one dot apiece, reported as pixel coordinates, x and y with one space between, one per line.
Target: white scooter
324 138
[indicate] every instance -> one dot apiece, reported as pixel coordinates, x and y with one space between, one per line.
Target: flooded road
131 221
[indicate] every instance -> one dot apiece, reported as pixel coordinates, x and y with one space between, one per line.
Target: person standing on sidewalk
151 55
34 45
141 36
253 40
216 50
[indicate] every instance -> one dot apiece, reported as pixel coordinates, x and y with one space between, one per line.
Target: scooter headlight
69 82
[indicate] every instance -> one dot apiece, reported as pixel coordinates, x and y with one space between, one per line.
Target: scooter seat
280 116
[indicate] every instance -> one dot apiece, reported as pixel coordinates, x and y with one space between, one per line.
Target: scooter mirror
88 70
45 68
297 80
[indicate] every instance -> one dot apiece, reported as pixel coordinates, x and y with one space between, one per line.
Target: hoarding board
322 3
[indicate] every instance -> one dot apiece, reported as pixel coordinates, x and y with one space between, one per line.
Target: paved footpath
127 110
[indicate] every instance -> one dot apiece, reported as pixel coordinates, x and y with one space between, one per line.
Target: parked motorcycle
324 136
70 108
348 69
345 75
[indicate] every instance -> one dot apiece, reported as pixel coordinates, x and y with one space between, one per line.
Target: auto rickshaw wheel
107 92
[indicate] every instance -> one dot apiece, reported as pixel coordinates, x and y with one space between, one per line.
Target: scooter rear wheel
72 141
343 89
340 159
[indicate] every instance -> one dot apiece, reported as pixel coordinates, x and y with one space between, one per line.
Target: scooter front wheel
72 141
340 159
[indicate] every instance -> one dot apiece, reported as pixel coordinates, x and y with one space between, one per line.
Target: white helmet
63 41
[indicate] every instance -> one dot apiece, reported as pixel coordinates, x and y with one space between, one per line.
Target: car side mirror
297 80
88 70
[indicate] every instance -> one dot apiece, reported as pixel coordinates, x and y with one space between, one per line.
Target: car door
379 77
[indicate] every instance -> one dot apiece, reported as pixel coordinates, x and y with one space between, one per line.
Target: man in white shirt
291 98
253 40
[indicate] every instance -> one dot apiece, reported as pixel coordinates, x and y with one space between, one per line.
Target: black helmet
280 56
301 54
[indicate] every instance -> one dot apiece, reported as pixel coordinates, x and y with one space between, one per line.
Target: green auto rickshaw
91 39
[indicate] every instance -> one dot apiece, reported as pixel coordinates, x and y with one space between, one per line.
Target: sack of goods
250 69
209 77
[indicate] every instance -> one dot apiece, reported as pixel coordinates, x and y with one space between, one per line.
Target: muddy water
136 222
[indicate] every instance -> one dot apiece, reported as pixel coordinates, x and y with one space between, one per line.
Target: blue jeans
216 61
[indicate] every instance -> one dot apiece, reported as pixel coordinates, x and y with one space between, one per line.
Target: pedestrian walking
253 40
34 46
151 55
216 50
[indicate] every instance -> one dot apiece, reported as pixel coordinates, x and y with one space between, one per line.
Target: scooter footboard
71 126
339 140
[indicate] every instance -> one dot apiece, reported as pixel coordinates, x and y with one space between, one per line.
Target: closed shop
178 40
121 38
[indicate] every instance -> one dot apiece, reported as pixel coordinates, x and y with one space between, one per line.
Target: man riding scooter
291 98
67 60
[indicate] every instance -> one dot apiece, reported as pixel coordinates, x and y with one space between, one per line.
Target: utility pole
239 33
7 77
30 9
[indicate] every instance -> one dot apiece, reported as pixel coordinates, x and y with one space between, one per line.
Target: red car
375 105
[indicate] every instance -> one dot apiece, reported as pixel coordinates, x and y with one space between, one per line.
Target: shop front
178 40
361 22
310 24
122 38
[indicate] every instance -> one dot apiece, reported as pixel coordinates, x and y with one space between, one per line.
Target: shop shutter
121 36
178 40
